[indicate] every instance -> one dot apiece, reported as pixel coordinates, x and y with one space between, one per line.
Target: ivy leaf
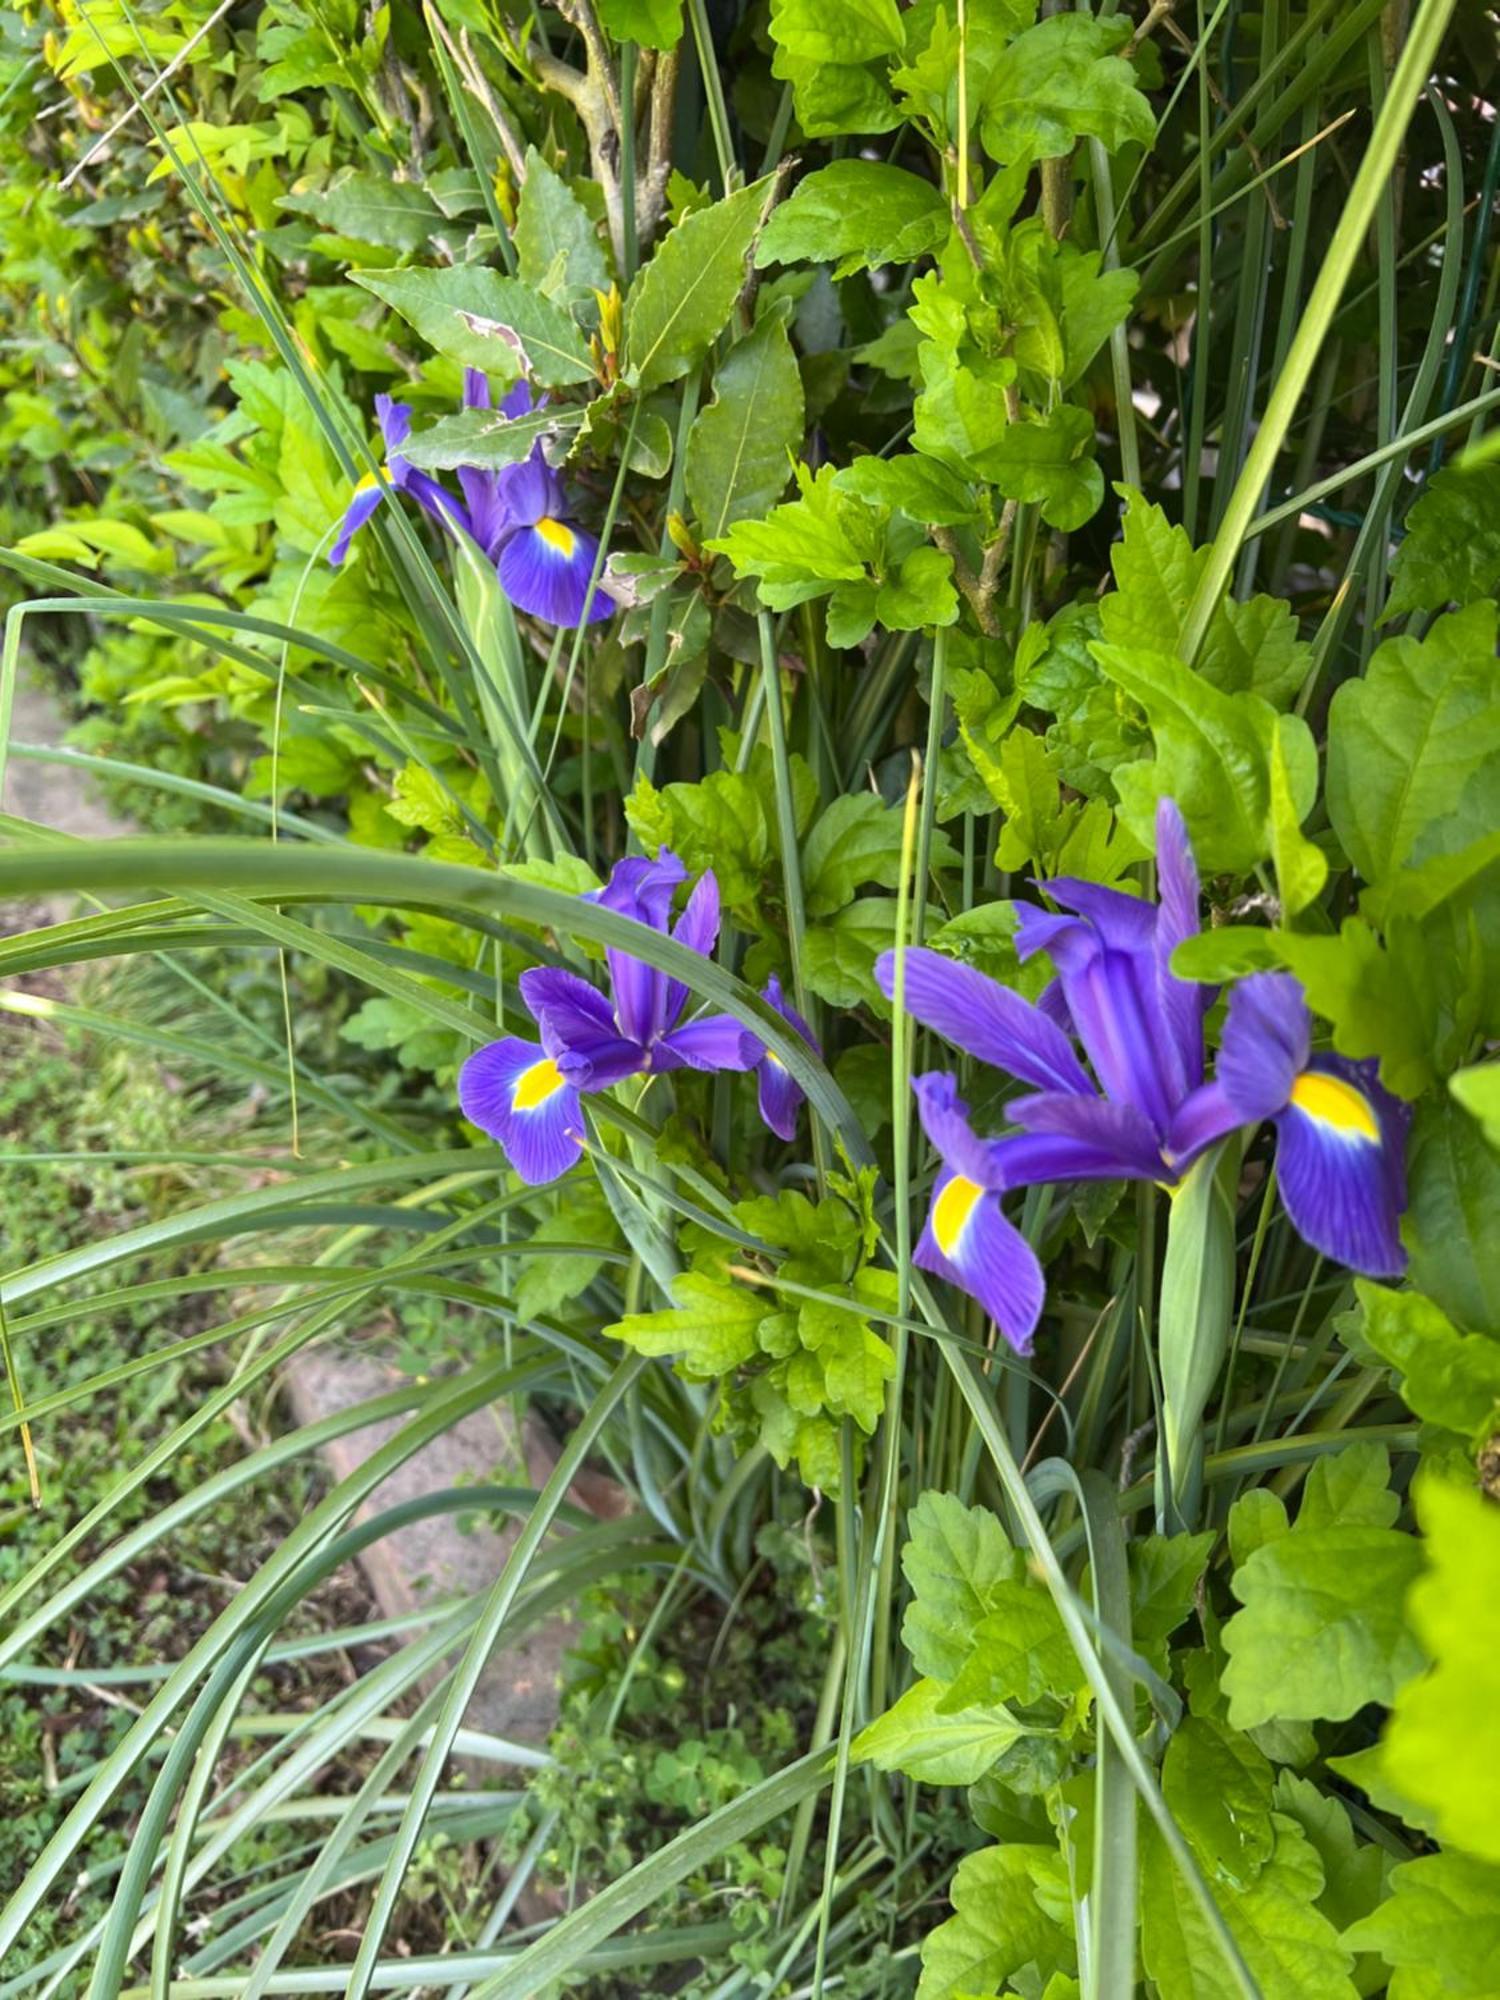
1291 1948
921 488
740 449
1061 81
1002 1922
1439 1928
1451 551
1218 1786
652 24
917 1736
1404 740
711 1330
1443 1736
681 300
955 1560
1322 1630
1048 461
856 214
486 321
1452 1221
553 233
1021 1651
822 47
1445 1376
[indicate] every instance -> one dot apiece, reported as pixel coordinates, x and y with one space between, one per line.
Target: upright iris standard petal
984 1018
642 890
1069 1138
1267 1036
578 1028
1183 1002
698 929
713 1041
515 1091
1340 1146
966 1238
780 1095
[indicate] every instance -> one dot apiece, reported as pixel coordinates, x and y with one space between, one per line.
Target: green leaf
821 47
1164 1575
681 301
1218 1786
1445 1376
1197 1303
920 1738
484 438
960 414
582 1216
919 593
719 823
1478 1091
653 24
371 208
1405 740
740 449
954 1561
1021 1651
557 247
1002 1923
1301 867
1452 1223
1350 1488
1443 1737
800 548
1048 461
486 321
1060 82
1450 553
854 840
1439 1927
856 214
1290 1947
711 1329
921 488
1353 1875
839 954
1322 1630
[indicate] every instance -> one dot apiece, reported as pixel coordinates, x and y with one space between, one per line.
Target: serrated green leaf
821 47
1218 1786
1478 1091
681 300
1062 81
1002 1924
1450 553
918 1737
652 24
486 321
839 954
856 214
1452 1221
1021 1651
1048 462
740 449
954 1561
711 1330
1439 1928
921 488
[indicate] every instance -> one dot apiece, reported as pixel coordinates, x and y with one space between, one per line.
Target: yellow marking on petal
951 1212
774 1060
366 483
557 535
535 1085
1333 1102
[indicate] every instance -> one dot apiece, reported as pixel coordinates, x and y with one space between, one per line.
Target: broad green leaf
1405 741
1439 1928
1291 1948
839 954
854 840
371 208
654 24
821 47
1257 1517
1452 1223
719 823
711 1330
927 83
557 246
1021 1651
1218 1786
484 438
1322 1631
1059 82
1478 1091
921 488
955 1560
486 321
856 214
1049 462
1354 1874
1301 867
919 1737
1445 1376
681 300
1164 1575
1443 1737
1450 553
918 593
1350 1489
960 414
1003 1922
800 548
582 1216
740 449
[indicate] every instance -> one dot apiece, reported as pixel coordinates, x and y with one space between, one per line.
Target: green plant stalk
1374 173
713 91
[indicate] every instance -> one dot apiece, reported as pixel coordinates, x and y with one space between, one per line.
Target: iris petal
698 929
642 890
1111 999
513 1091
945 1120
394 420
1183 1002
578 1028
1267 1034
549 578
364 500
968 1241
1340 1166
1078 1138
780 1095
713 1041
983 1018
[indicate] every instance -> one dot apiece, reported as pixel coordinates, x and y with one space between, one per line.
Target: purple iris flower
519 515
1146 1113
526 1095
394 420
780 1095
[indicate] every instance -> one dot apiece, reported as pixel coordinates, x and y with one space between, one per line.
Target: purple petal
431 496
698 929
532 490
983 1018
545 571
1267 1035
1340 1165
642 890
779 1096
1111 997
1083 1138
515 1092
945 1120
1183 1003
519 401
394 420
365 498
578 1028
489 517
1121 922
1204 1116
968 1241
476 389
714 1041
772 994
